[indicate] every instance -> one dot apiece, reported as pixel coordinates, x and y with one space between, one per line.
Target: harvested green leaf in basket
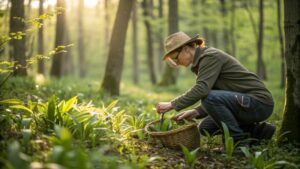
167 125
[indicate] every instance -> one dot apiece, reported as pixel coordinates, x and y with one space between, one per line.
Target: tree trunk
81 49
67 61
260 69
28 12
57 59
206 35
170 74
114 65
282 81
232 29
291 116
252 21
135 63
17 51
41 64
213 34
107 23
160 34
225 28
147 5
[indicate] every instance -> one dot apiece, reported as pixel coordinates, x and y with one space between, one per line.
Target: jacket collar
197 56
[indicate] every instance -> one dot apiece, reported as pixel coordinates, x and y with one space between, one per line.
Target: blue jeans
237 110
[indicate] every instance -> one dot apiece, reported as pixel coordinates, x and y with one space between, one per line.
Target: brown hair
200 42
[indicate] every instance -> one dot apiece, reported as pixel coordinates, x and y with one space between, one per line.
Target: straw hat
177 40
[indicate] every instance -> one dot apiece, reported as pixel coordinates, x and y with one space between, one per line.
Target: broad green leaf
51 109
11 101
21 107
69 104
111 105
26 123
26 135
246 152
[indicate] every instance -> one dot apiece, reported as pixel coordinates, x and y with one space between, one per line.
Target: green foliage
136 125
260 160
228 140
167 125
190 156
141 161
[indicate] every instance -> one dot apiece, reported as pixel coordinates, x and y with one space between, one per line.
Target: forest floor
86 149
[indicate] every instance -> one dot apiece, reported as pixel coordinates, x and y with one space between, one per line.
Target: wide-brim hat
177 40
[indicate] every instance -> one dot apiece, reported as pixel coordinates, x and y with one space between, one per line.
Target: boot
263 131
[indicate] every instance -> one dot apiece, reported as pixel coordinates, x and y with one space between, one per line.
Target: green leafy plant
228 140
65 153
190 156
136 125
16 159
167 125
259 160
140 161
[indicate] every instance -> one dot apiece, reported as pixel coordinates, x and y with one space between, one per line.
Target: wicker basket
187 135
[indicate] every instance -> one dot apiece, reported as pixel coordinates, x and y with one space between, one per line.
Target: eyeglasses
178 52
173 62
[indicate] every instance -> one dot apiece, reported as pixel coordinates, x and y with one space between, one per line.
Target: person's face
181 56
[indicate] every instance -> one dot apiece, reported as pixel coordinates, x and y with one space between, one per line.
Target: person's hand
187 115
163 107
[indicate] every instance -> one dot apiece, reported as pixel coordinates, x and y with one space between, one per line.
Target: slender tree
260 66
148 7
41 64
226 34
135 64
232 28
67 59
252 20
280 34
17 50
114 65
291 115
160 34
81 49
107 22
57 59
170 74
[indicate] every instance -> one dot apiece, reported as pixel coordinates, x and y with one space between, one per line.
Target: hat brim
195 38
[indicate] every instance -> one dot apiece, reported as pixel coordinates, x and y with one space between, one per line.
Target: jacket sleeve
209 69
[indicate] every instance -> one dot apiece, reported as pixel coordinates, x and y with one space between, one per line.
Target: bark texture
41 64
260 66
114 65
148 7
17 24
170 74
135 65
57 59
291 116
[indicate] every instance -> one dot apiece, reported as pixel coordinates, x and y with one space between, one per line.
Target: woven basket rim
164 133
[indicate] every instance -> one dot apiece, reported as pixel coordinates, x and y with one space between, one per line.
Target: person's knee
212 98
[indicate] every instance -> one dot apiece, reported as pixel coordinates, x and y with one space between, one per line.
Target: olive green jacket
216 69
